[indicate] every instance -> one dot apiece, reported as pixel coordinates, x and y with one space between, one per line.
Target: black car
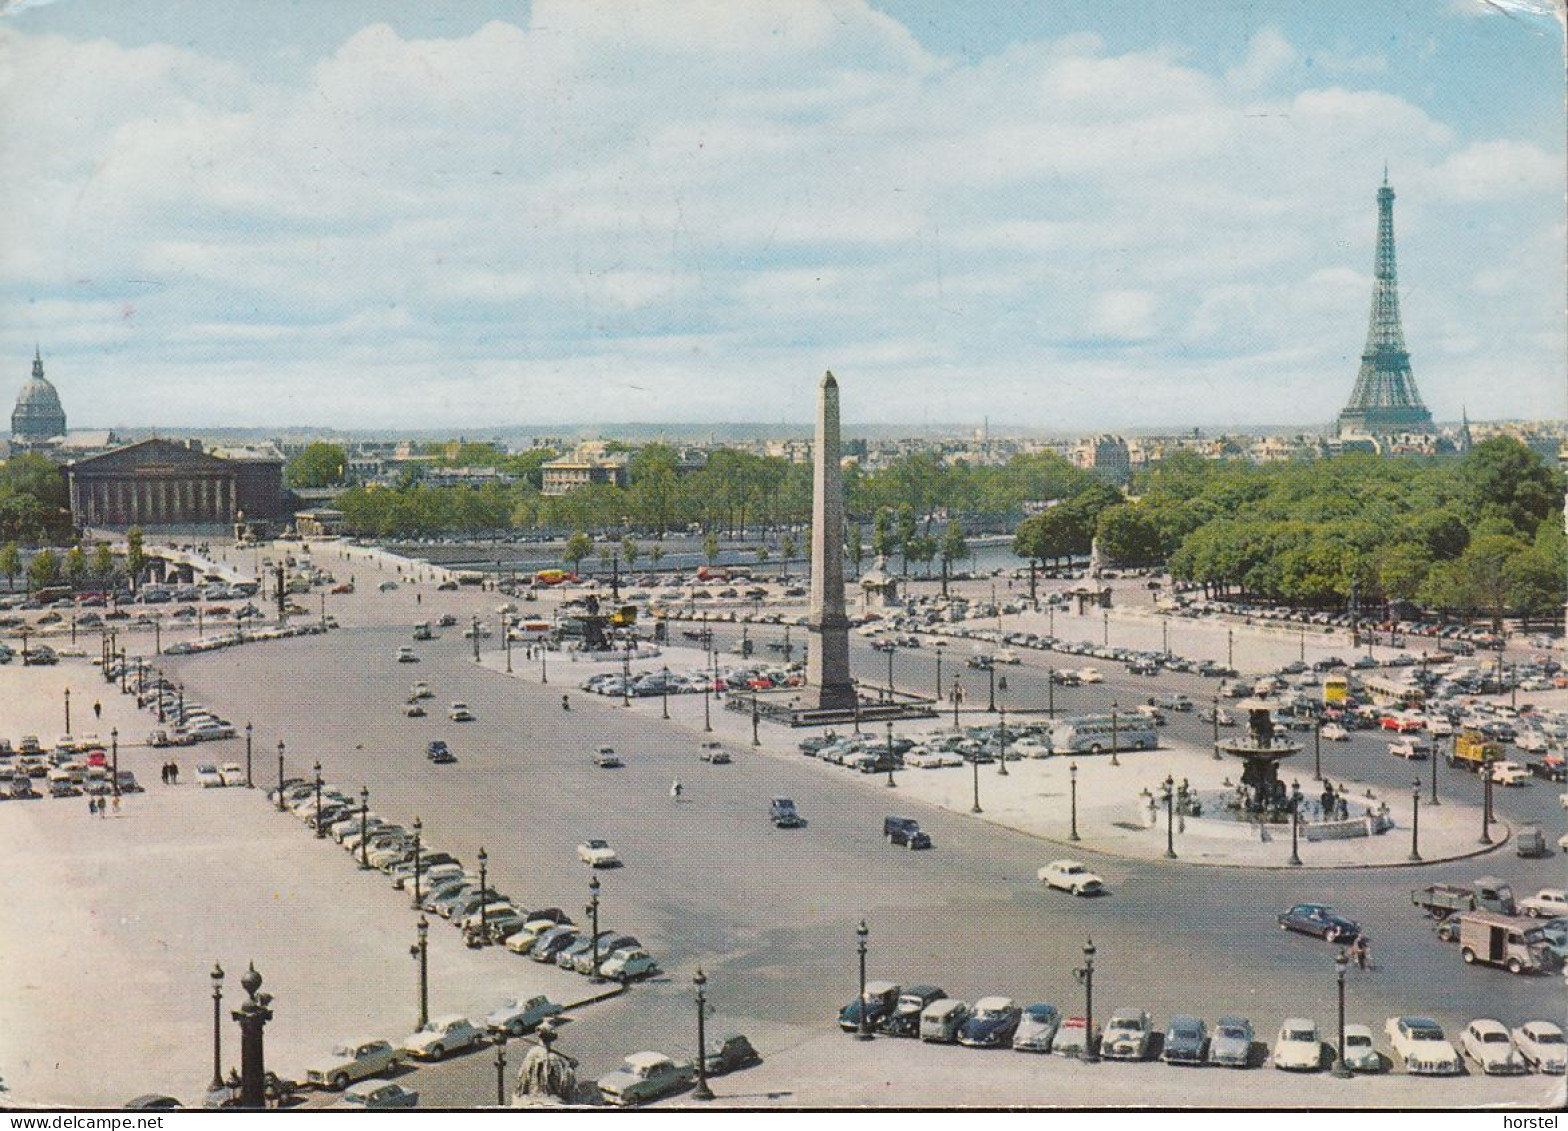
1186 1041
905 831
733 1051
438 753
784 815
1321 920
904 1021
880 999
991 1025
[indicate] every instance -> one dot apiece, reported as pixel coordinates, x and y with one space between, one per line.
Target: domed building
38 416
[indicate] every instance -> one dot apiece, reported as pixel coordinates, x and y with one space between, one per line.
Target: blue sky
1069 214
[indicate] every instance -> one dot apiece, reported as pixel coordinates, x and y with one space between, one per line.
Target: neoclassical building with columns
162 484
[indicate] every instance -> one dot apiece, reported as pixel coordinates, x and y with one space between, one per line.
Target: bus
1092 734
1386 692
1336 689
532 631
553 577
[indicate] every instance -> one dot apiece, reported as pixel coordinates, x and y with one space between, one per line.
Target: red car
346 587
97 758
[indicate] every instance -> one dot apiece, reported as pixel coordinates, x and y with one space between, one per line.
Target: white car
208 777
1488 1044
598 854
1361 1054
1127 1035
628 964
1298 1047
1419 1043
352 1062
1410 749
521 1015
459 713
232 773
1071 876
1510 773
405 655
1090 675
1548 903
1333 732
421 690
1541 1045
443 1035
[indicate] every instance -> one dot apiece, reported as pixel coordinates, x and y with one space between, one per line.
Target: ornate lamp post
890 782
1230 648
421 951
253 1016
544 671
1216 747
280 772
990 672
500 1070
863 1025
217 1028
114 757
419 829
1415 821
957 696
891 649
702 1091
364 828
941 645
664 691
1116 734
506 635
1486 799
1434 801
476 639
1341 964
1050 692
974 764
1073 794
1001 732
1295 824
1317 750
707 700
1168 795
1085 975
320 831
67 710
593 912
755 740
249 784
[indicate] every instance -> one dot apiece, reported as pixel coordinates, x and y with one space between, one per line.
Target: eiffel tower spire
1385 397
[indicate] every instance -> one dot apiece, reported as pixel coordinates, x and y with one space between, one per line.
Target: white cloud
642 209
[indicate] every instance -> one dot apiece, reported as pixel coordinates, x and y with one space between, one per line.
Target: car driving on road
1321 920
1071 876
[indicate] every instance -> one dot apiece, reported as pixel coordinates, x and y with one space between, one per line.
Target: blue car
991 1025
1321 920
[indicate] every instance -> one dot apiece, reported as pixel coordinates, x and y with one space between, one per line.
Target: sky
1077 215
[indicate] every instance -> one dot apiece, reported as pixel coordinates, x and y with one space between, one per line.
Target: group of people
170 772
98 806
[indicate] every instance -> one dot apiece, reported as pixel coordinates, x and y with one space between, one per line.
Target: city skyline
1085 220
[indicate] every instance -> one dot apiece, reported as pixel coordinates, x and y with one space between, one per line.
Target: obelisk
827 665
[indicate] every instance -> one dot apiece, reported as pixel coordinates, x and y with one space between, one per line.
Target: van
1530 842
1517 945
941 1020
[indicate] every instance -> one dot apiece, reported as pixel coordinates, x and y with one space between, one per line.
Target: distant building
1106 456
160 484
38 418
591 463
319 522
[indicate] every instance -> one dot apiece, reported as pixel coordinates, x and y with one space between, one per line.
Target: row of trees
81 566
1482 534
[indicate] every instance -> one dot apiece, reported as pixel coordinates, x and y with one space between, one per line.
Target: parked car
1321 920
1036 1028
1231 1043
1419 1044
1360 1053
905 831
879 1001
1541 1045
1298 1047
441 1037
1548 903
992 1024
1127 1035
521 1015
1186 1041
208 777
1487 1043
598 854
1333 732
552 942
941 1021
378 1095
642 1077
904 1021
348 1063
232 773
715 753
731 1052
1074 1037
627 964
1071 876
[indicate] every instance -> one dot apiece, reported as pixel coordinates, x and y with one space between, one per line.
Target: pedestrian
103 808
675 790
97 709
419 598
92 806
116 804
174 773
1363 952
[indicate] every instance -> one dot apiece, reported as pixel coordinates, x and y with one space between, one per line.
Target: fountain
1261 752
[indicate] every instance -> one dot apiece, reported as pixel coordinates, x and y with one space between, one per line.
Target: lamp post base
702 1091
1341 1071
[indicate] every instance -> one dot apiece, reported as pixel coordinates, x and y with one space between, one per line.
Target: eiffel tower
1385 398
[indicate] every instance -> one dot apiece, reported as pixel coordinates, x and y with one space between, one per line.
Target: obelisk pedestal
829 686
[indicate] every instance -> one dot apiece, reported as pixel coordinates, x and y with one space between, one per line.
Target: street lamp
364 828
702 1091
990 671
1116 737
1295 824
249 784
320 830
1085 974
506 635
1105 627
1434 800
755 740
957 696
1341 964
419 829
1486 798
544 668
114 757
476 639
863 1022
1230 648
1050 692
1001 734
421 951
1072 786
593 911
664 690
707 700
1317 750
974 762
626 674
1217 757
890 650
280 771
1168 794
891 784
217 1028
1415 821
500 1069
67 710
940 646
484 891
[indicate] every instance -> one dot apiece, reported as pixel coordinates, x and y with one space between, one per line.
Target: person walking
1363 952
675 790
92 806
97 709
116 804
